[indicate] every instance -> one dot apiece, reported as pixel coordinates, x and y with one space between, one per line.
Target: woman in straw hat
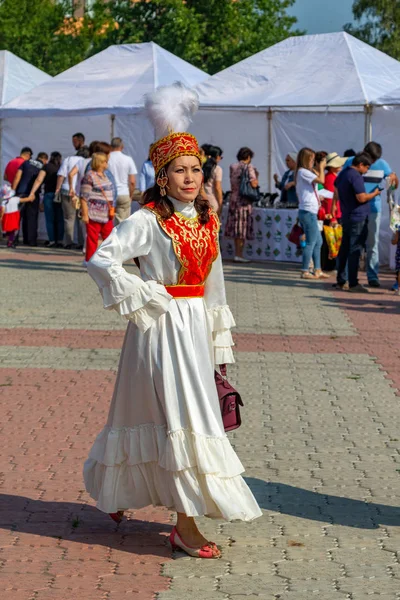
164 442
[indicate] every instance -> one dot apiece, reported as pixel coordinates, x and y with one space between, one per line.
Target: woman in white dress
164 442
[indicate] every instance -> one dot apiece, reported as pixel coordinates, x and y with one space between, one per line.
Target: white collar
185 208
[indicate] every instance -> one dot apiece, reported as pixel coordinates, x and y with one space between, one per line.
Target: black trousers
30 219
354 238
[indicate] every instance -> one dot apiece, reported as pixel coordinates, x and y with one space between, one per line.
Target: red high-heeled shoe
206 551
117 517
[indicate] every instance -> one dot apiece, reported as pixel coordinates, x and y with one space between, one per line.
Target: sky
322 16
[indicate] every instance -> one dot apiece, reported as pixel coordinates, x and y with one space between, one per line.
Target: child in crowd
9 213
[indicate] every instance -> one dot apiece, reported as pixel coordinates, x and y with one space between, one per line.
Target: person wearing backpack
239 225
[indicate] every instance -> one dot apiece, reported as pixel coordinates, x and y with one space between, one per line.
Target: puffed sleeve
138 301
219 314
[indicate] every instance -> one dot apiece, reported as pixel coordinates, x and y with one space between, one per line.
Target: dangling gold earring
162 180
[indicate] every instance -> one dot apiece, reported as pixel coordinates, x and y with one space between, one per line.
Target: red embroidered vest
195 244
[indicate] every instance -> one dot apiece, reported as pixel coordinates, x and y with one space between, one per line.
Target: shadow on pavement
333 510
41 266
82 523
286 276
374 302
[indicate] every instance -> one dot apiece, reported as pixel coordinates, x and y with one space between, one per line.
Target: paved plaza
319 374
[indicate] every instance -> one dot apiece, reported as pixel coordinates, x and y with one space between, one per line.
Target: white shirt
66 167
307 191
121 166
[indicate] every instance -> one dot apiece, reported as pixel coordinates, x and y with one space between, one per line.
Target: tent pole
269 116
368 123
112 125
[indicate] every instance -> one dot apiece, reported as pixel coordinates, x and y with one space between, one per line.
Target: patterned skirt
239 224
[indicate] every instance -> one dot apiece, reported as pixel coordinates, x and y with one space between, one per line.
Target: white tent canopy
17 76
100 97
327 70
320 91
113 81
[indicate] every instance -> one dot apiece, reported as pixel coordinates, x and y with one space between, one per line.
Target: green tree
378 24
211 34
44 33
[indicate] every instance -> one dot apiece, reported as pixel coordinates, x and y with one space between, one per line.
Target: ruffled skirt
164 443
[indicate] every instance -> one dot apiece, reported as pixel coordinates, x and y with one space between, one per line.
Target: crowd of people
83 195
334 191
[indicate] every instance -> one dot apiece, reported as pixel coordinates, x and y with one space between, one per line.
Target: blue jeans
353 243
374 222
54 218
309 223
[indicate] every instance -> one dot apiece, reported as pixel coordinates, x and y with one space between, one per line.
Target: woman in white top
213 179
306 187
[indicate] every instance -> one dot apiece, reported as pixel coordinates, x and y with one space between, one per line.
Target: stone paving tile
319 443
53 543
269 299
317 482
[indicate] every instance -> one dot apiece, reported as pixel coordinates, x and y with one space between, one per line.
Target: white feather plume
171 108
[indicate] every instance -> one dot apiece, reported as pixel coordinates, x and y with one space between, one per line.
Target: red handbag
229 401
295 234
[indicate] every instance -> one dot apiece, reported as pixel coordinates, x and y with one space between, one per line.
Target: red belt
185 291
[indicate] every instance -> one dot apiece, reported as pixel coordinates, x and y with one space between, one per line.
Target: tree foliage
45 33
211 34
378 24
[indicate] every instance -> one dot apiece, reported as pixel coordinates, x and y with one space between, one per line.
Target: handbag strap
105 197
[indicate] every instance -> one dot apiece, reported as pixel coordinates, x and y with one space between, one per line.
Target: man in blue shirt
375 176
355 206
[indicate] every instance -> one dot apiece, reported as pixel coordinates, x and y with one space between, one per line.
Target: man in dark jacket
22 184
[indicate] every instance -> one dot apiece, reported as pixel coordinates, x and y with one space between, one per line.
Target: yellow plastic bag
333 236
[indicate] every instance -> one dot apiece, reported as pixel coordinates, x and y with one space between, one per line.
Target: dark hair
244 153
219 150
43 155
55 159
206 148
362 158
83 152
92 147
103 147
374 150
349 152
116 142
166 208
211 163
26 150
80 136
320 155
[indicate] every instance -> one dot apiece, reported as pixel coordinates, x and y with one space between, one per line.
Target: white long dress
164 442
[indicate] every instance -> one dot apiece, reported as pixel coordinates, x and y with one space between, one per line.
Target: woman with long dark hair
213 179
164 442
53 212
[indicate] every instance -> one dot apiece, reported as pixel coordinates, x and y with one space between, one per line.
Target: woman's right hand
85 219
